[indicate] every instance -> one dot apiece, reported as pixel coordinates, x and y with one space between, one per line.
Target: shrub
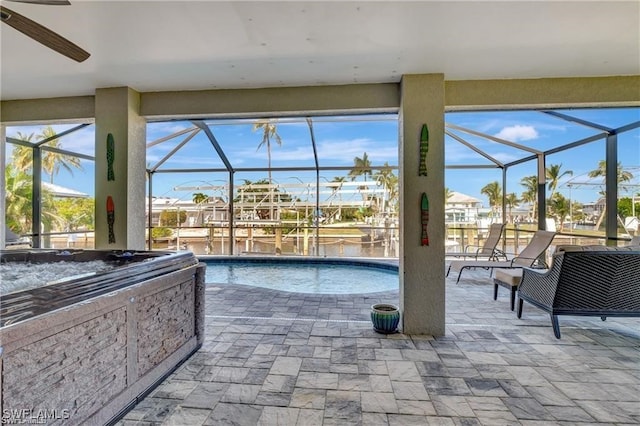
161 232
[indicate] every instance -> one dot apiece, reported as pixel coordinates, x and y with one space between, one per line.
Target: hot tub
84 348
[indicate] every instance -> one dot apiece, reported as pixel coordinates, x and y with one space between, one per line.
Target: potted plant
385 317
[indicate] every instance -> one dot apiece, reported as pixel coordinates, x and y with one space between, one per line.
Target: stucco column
117 112
422 281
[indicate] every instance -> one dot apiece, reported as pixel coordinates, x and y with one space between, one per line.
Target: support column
117 112
36 200
505 219
611 186
542 193
422 281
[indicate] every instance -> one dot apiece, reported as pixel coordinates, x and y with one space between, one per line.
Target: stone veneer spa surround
91 360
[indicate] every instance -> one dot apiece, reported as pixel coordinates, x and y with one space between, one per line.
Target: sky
340 140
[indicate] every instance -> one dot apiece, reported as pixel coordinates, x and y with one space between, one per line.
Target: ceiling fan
42 34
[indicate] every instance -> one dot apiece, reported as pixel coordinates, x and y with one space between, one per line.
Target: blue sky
339 141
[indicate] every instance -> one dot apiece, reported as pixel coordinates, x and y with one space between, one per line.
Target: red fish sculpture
111 218
424 217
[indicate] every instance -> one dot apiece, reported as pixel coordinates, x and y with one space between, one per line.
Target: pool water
320 278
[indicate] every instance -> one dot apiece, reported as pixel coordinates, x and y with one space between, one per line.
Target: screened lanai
328 185
429 62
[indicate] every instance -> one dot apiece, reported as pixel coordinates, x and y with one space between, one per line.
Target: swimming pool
304 275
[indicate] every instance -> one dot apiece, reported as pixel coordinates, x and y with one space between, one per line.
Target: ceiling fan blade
47 2
43 35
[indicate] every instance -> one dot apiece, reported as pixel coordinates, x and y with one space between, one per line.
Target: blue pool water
304 276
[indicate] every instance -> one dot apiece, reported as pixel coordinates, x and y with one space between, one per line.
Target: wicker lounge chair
600 283
510 278
489 250
531 256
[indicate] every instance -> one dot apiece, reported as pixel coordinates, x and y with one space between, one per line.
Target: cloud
504 157
517 133
457 154
81 141
344 151
162 129
331 152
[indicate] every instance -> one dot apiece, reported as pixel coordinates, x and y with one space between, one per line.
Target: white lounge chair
488 251
531 256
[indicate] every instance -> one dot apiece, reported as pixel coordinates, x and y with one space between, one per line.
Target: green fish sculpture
424 148
110 157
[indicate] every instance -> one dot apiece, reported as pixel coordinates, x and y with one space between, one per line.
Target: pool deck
276 358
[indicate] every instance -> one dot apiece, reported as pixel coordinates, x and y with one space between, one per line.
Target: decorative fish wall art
111 148
111 218
424 149
424 218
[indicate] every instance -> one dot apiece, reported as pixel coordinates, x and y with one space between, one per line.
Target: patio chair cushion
510 277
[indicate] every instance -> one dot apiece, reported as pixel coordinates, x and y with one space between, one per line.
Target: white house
461 208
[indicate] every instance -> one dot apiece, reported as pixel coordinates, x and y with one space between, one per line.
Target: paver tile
271 357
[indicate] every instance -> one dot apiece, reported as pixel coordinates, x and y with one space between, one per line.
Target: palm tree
530 194
554 175
447 194
20 186
560 208
511 200
339 180
389 181
18 195
22 156
394 192
621 176
199 198
493 191
269 132
52 161
361 166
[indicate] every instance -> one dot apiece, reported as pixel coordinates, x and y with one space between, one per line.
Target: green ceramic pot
385 317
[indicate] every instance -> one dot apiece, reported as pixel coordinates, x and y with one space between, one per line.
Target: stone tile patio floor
276 358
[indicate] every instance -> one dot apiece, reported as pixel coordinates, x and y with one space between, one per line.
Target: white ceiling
186 45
